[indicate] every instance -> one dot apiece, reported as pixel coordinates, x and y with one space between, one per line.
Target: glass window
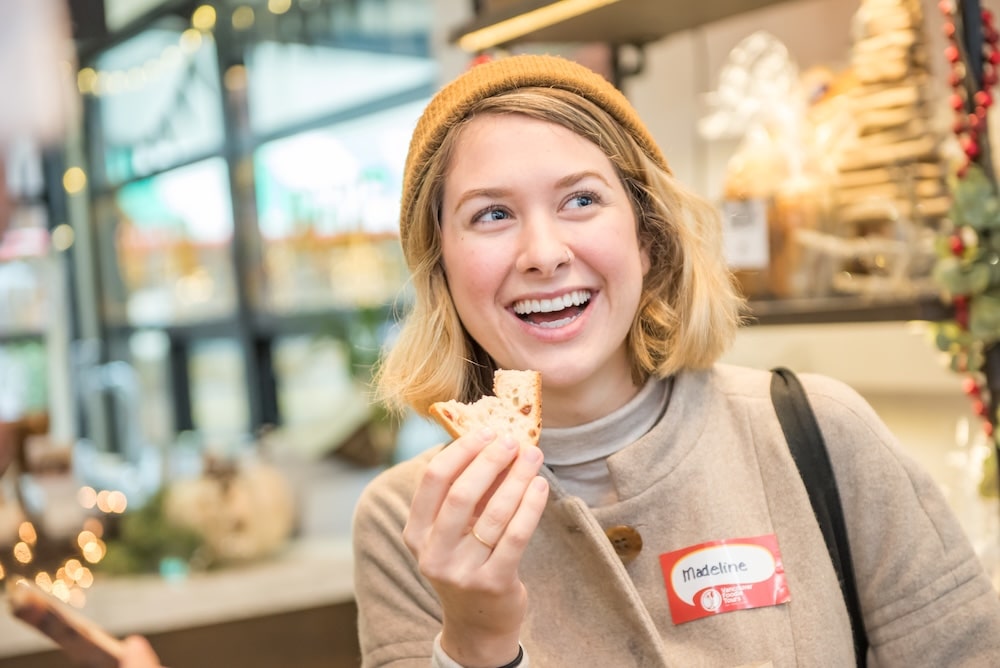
23 380
170 238
25 264
328 203
131 388
25 271
305 173
326 58
313 374
155 102
218 393
23 171
293 83
149 351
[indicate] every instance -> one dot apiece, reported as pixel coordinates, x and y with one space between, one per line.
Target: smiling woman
544 231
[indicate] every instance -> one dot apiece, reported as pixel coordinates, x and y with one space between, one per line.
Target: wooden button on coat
626 541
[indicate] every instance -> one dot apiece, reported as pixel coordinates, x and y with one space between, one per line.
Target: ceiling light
510 29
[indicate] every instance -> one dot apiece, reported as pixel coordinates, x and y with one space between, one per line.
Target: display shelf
617 22
310 572
207 328
20 336
800 311
318 321
828 310
321 321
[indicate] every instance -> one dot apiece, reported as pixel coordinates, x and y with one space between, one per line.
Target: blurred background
200 264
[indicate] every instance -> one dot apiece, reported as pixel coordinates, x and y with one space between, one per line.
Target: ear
644 259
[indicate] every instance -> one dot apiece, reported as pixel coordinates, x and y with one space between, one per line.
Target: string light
279 7
72 577
74 180
203 18
22 552
243 18
99 83
26 532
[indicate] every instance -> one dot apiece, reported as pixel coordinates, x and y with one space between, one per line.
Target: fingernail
509 442
532 454
487 434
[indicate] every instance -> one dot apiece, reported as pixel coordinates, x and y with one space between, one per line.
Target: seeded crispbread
515 408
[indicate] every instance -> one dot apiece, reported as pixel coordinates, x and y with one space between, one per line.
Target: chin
560 376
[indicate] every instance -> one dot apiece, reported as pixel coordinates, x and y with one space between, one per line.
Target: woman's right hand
474 511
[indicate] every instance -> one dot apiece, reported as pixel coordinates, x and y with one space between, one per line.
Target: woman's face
543 261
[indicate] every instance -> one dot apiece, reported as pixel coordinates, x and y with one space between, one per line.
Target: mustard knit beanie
453 102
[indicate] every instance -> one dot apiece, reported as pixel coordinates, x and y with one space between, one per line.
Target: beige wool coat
716 466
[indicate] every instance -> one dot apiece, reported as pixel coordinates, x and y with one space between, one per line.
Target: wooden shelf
828 310
622 22
800 311
16 336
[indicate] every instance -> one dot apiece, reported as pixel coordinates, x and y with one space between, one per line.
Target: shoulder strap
809 452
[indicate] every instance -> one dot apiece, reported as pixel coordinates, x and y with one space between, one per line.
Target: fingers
138 654
504 503
514 539
441 473
477 475
474 488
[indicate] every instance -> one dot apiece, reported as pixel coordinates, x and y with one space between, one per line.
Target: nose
543 248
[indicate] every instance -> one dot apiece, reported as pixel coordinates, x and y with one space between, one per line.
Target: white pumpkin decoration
243 515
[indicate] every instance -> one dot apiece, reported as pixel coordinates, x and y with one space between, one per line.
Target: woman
544 230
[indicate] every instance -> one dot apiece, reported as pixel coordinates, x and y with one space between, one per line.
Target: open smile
552 313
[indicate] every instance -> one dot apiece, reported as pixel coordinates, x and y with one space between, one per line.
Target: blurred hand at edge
138 654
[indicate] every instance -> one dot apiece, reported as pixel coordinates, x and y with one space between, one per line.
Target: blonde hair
689 309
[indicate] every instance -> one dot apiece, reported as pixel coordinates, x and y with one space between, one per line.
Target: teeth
556 323
575 298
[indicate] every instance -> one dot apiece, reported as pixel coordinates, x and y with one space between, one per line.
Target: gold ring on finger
482 540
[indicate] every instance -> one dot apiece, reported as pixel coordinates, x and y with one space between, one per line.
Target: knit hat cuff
453 102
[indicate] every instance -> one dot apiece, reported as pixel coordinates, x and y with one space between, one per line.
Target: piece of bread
516 408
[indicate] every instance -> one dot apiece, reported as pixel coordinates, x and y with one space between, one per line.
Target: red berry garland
970 107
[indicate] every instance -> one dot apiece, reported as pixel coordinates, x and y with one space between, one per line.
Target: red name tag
724 575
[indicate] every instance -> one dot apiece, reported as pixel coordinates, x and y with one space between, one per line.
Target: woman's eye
490 215
581 200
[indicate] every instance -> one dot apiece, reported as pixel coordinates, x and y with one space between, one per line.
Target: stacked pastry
891 177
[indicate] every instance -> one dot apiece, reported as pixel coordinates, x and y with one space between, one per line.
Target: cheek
616 254
471 272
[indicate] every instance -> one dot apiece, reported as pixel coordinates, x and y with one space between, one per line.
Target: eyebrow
488 193
499 193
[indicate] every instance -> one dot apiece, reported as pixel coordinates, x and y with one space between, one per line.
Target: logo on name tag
724 575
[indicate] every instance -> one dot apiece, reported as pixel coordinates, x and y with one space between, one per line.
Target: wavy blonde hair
689 309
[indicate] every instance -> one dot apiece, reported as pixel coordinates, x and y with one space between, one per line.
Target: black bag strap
805 441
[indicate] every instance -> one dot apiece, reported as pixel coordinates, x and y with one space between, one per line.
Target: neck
585 402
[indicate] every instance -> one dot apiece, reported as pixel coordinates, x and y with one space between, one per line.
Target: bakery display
890 192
